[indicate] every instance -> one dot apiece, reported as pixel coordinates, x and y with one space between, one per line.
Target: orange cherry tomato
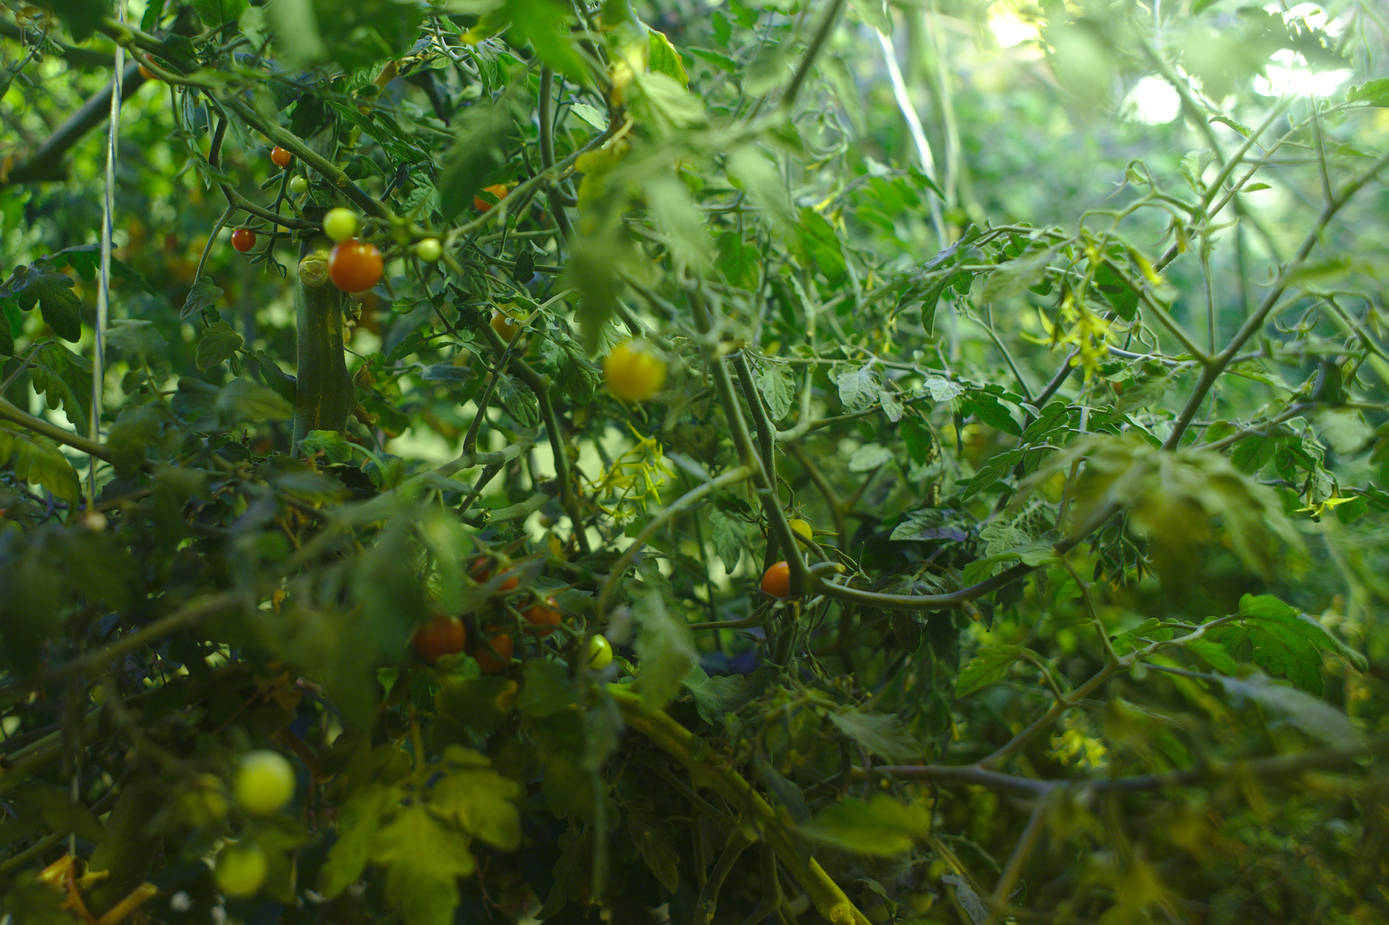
280 156
495 663
544 616
146 73
776 581
441 636
498 190
354 266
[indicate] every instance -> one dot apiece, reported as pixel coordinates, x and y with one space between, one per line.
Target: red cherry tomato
280 156
544 616
495 664
354 266
776 581
243 239
441 636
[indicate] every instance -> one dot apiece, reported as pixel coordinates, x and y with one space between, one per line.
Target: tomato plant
505 326
776 580
340 224
544 616
1080 369
634 371
429 250
241 870
598 652
494 654
443 635
354 266
263 783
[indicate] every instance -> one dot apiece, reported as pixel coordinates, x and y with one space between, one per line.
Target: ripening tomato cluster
491 642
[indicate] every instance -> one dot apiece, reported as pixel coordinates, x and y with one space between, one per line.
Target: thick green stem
324 394
709 769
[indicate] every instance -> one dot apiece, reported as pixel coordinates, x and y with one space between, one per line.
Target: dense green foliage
1061 326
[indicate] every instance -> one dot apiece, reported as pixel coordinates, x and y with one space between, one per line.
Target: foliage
1082 405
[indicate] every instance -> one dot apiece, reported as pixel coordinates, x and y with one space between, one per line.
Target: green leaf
858 388
1016 276
878 826
423 860
217 343
665 650
544 24
357 822
1373 92
81 16
546 690
37 460
989 665
880 733
244 401
482 137
1312 716
1277 638
663 58
751 171
52 292
136 338
819 245
204 295
716 697
483 802
656 849
776 383
218 12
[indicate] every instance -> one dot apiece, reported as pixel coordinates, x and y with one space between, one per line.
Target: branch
14 415
47 162
1262 768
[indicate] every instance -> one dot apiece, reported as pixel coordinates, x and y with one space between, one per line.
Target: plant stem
709 769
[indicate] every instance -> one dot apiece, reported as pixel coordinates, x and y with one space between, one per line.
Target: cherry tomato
776 581
298 185
498 191
802 529
354 266
444 635
505 326
429 250
281 157
241 870
598 653
264 782
340 224
545 615
634 371
243 239
481 568
495 663
146 73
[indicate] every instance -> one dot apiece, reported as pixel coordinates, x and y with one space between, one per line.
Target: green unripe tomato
264 782
429 250
340 224
598 654
241 870
298 185
802 529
